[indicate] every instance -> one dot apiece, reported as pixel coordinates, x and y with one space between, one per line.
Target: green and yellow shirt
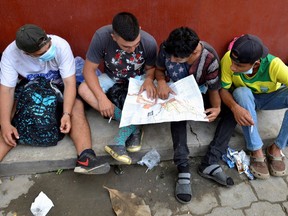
271 74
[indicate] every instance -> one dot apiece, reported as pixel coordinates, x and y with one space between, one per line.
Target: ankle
258 153
274 150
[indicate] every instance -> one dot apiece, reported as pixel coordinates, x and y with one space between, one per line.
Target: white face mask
250 71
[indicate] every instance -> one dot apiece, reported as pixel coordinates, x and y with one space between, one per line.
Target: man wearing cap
254 80
34 54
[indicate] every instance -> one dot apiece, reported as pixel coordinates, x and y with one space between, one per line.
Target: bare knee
78 108
4 149
83 89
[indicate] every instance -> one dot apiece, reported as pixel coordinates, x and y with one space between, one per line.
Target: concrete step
31 160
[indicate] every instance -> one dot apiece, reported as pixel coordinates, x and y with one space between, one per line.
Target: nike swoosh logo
84 163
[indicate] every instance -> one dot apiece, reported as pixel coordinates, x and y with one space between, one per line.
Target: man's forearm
228 99
150 72
6 104
214 98
160 74
69 94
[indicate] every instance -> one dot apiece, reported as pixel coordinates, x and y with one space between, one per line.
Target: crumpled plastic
41 205
150 159
240 159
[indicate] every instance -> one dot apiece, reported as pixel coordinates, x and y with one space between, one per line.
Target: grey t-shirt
120 65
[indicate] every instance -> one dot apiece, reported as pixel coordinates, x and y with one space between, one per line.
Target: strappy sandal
216 173
183 187
276 165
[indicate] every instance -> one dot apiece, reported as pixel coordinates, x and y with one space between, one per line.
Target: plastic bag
79 64
150 159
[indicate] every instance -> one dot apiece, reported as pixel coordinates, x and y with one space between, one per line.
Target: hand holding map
187 104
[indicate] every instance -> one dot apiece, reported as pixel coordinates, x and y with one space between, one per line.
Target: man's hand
212 113
65 126
242 116
150 88
106 107
164 90
9 134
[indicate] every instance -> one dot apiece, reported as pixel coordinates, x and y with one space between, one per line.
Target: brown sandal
258 167
276 164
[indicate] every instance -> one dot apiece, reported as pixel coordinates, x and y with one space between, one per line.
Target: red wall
215 21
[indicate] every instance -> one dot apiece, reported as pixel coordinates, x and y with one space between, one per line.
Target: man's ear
257 63
113 36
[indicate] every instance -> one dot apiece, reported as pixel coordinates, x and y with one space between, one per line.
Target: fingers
141 89
108 112
212 113
164 93
172 92
151 93
10 140
65 126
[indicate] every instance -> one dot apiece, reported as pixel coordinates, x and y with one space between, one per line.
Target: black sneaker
119 153
88 163
134 141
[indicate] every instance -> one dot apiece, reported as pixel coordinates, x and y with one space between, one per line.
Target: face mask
49 55
250 71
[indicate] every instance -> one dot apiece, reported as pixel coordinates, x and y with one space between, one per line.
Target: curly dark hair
181 42
126 26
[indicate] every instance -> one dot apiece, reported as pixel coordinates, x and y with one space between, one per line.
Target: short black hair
181 42
126 26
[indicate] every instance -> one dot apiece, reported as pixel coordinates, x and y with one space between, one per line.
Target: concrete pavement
31 160
75 195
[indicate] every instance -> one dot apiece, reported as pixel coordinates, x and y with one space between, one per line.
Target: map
187 104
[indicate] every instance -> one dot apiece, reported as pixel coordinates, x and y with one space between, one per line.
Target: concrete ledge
31 160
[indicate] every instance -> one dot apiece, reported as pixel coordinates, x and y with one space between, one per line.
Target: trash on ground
128 204
150 159
240 159
41 205
118 170
59 171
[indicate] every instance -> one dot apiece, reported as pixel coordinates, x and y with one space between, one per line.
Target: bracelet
67 113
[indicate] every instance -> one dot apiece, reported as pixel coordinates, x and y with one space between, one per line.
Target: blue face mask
49 54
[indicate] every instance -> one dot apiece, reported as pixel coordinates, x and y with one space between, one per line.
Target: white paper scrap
41 205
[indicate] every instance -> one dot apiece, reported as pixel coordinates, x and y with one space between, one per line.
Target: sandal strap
213 169
184 178
257 159
272 157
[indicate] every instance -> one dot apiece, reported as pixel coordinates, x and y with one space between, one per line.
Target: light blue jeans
268 101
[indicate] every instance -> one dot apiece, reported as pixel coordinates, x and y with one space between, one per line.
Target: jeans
269 101
179 139
218 145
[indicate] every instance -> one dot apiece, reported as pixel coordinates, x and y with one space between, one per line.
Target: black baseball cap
31 38
248 49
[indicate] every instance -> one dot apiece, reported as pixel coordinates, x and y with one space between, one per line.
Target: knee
78 108
242 95
82 89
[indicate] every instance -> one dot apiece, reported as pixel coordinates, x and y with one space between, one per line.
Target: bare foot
274 150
